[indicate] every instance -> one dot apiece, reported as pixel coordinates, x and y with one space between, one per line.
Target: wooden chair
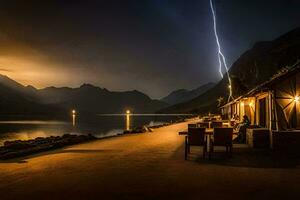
222 137
195 137
206 120
192 125
203 124
216 124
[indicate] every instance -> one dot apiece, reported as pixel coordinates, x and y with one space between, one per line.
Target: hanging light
296 98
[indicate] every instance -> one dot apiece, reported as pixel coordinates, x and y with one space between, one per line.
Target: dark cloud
153 46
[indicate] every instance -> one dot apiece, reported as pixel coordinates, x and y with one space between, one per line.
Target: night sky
149 45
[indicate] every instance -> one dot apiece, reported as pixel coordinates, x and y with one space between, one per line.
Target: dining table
209 132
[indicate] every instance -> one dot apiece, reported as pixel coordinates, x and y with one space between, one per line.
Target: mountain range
18 99
254 67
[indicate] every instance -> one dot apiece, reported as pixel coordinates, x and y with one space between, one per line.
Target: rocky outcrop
18 148
142 129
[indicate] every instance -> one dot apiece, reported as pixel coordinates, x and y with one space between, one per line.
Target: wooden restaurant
273 109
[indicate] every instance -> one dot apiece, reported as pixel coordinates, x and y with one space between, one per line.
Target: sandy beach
146 166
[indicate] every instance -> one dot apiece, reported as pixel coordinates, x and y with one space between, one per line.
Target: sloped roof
284 73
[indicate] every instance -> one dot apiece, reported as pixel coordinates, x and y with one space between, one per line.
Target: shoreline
22 148
153 162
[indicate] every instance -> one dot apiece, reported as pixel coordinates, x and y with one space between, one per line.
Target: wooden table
209 132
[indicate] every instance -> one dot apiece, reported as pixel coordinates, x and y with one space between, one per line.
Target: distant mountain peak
87 85
30 87
8 82
183 95
179 91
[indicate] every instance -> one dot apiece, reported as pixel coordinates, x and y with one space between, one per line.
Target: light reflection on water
100 126
32 122
27 135
128 122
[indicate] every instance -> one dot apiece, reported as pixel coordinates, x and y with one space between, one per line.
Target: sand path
144 166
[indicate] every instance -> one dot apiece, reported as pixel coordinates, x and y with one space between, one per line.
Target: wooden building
273 105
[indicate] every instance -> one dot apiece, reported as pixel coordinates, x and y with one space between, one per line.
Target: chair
206 119
216 124
192 125
218 117
195 137
203 124
222 137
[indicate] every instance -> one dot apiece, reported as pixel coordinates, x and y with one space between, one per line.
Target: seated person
241 128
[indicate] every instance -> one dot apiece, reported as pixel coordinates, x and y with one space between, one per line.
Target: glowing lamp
74 117
127 111
229 86
297 98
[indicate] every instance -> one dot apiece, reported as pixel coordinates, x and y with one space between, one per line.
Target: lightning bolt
221 57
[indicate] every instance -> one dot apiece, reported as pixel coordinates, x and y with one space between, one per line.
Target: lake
102 125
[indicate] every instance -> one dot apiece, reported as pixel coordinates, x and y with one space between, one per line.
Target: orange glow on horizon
38 71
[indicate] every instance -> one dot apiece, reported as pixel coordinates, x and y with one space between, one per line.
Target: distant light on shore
73 117
127 120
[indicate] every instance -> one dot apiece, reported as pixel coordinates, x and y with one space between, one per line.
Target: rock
17 148
142 129
17 144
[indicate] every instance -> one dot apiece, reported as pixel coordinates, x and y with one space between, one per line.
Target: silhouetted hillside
18 99
15 99
254 67
183 95
89 98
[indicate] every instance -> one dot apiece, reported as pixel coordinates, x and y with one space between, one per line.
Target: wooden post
275 110
255 107
270 102
270 109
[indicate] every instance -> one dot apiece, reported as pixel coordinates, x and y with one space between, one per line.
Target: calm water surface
100 126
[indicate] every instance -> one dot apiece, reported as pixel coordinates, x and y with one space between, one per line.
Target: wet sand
147 166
